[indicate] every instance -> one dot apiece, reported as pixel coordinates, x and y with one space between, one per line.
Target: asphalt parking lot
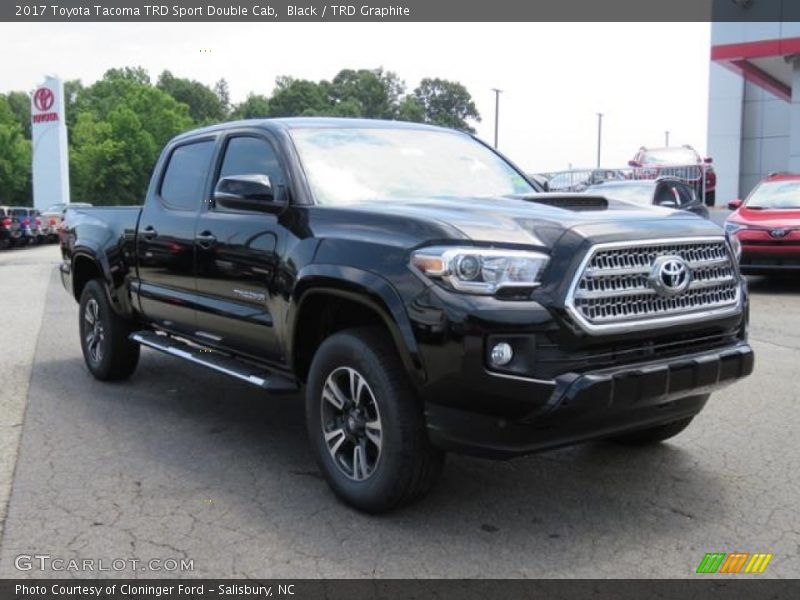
181 463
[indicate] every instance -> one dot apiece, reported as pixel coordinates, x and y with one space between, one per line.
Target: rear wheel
653 435
107 351
366 425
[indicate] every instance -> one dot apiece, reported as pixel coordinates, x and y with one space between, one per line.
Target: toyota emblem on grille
670 275
778 233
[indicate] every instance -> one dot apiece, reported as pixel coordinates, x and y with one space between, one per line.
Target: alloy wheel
94 335
351 423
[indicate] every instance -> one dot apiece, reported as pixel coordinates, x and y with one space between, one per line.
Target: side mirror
734 204
245 192
708 160
633 163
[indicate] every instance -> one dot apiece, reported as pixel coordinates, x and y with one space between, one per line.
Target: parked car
9 228
669 192
767 223
577 180
30 228
419 290
678 161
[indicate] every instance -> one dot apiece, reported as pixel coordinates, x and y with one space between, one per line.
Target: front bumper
584 406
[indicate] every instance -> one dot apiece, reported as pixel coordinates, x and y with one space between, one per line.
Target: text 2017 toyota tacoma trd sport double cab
419 288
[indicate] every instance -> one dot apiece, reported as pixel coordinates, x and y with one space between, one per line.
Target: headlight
480 270
736 245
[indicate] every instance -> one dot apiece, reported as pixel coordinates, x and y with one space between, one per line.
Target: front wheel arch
324 311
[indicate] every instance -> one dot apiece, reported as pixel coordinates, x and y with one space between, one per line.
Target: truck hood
527 222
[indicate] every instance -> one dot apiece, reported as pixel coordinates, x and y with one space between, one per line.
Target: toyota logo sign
670 275
43 99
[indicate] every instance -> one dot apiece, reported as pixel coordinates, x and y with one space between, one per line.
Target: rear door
237 254
165 236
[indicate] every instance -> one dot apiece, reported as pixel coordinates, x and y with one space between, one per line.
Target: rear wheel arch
86 267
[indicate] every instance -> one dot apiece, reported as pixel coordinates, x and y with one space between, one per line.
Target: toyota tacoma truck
418 288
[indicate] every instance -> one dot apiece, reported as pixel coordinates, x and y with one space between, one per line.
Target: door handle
149 232
205 239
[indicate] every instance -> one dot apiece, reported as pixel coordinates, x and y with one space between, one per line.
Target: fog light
502 354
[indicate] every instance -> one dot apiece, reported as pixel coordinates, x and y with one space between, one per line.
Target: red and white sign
50 144
43 100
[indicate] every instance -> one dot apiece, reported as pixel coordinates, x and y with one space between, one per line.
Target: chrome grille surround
611 292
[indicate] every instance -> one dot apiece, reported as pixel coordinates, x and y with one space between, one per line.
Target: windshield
775 194
348 165
670 156
640 194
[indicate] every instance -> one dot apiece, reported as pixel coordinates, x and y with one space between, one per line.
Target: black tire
406 466
711 198
653 435
117 356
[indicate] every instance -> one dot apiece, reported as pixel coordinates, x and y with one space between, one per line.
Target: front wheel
107 351
366 424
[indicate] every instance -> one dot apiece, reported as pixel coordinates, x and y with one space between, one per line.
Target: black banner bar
398 10
702 588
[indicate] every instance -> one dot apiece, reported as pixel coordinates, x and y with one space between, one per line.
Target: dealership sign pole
50 152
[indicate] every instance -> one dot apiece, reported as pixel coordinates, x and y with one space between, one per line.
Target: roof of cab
311 123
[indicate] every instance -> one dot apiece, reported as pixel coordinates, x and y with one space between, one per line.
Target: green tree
411 109
254 107
223 94
119 125
111 159
300 97
205 106
15 158
73 95
446 103
376 93
20 105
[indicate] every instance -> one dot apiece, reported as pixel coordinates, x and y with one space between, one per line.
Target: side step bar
216 361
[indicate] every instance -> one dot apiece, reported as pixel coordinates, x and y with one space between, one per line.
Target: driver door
237 255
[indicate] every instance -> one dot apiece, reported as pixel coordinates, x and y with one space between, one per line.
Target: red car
676 161
767 224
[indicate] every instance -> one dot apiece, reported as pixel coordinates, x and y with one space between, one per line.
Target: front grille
614 288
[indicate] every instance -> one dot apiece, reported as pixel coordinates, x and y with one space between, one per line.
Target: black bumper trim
595 404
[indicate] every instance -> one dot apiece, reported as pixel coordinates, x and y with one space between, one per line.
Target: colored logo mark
43 99
735 562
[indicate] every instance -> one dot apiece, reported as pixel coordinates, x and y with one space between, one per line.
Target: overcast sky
645 78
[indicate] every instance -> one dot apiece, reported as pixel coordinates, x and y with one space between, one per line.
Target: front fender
364 287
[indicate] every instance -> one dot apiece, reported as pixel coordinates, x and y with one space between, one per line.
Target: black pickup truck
420 288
